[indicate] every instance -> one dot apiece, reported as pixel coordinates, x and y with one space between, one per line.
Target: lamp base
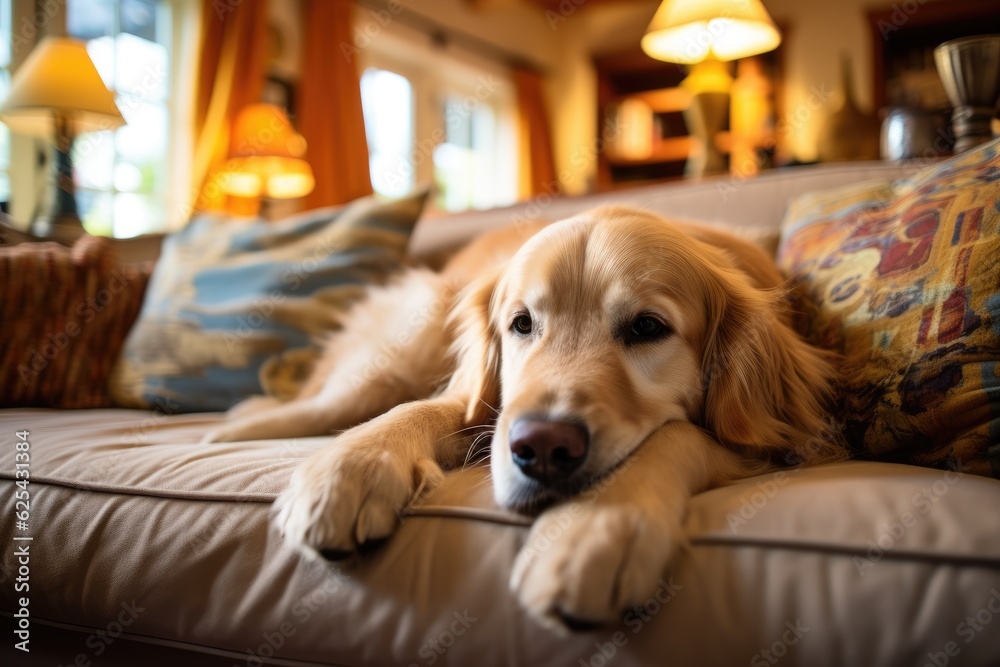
59 220
705 118
972 126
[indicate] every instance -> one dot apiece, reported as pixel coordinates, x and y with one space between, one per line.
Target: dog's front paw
583 565
349 495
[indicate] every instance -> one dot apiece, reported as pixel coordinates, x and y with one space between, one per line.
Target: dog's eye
521 325
646 328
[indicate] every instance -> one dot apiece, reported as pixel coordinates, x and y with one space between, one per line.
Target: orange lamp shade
267 156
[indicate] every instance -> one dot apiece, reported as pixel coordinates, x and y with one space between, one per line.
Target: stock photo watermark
635 620
99 641
417 323
582 156
456 113
901 13
565 516
562 13
968 630
31 27
786 126
22 542
365 33
263 307
301 612
55 343
892 532
750 505
435 647
771 655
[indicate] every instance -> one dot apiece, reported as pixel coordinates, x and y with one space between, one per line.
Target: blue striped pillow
235 307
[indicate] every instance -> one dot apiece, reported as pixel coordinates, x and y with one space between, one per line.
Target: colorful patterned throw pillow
904 279
65 313
236 306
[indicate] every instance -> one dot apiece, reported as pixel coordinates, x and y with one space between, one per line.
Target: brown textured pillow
65 313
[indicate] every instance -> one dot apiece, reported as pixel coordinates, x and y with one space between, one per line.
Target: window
387 98
467 166
122 176
438 119
5 40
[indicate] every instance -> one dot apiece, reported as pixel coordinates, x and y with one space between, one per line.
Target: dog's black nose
547 450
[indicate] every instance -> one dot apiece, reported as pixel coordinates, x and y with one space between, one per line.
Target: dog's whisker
470 428
495 411
462 431
474 449
481 463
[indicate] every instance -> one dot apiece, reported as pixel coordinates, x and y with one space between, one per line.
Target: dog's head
606 326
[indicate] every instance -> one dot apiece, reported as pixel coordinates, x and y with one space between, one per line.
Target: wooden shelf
676 149
662 100
633 76
895 40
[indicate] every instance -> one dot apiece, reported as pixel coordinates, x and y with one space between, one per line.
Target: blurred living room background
492 101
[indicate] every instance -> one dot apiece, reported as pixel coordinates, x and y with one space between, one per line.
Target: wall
519 29
558 44
525 32
605 28
819 32
561 45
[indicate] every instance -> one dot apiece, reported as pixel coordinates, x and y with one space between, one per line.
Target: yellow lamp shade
58 78
689 31
266 156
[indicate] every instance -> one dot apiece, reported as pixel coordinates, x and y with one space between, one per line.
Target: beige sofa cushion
869 564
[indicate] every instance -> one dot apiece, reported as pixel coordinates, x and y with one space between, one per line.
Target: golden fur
722 388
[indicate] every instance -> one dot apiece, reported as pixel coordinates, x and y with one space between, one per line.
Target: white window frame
435 74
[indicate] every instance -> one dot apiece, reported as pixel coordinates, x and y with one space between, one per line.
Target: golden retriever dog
621 364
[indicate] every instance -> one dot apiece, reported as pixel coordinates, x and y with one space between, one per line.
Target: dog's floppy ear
477 350
765 387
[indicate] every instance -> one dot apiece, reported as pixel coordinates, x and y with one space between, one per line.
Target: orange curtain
329 105
231 70
537 172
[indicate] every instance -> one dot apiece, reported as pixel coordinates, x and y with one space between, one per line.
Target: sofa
149 548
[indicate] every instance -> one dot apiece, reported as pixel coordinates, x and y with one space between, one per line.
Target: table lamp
266 157
57 93
705 34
